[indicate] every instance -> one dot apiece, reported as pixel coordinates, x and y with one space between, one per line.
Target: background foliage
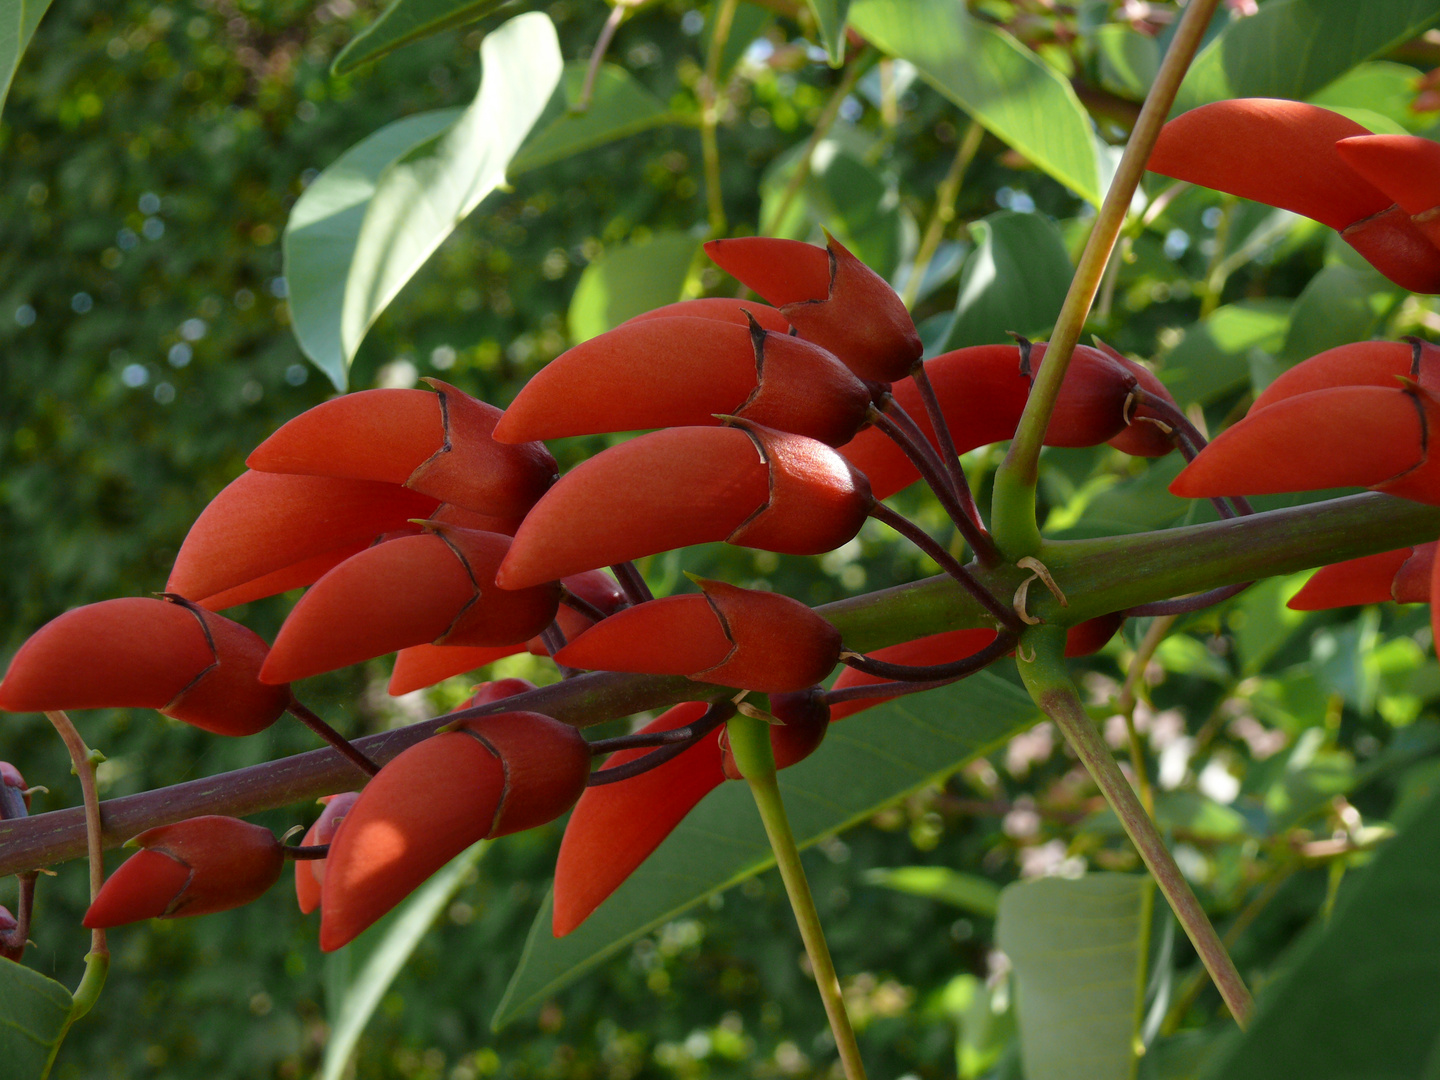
152 157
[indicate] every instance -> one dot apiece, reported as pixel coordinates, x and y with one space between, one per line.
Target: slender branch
1129 697
581 605
1050 686
331 736
597 54
750 743
948 455
945 197
83 762
1013 508
717 714
882 691
926 673
302 853
1184 605
631 583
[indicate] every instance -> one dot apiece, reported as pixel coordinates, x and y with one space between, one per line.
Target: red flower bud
489 777
804 720
262 523
310 873
139 652
438 587
419 666
1406 168
1402 575
435 444
1140 437
721 308
727 635
682 486
14 793
1361 363
831 298
193 867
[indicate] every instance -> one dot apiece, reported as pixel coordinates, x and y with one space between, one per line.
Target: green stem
83 761
750 744
1012 511
710 115
1049 684
945 196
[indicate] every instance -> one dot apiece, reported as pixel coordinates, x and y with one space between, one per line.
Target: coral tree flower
1287 154
310 873
193 867
725 634
142 652
488 777
1402 575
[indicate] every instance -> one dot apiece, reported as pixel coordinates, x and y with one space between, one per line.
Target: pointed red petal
296 576
546 766
498 616
675 635
422 809
780 644
419 666
665 490
1412 580
1362 363
1350 435
1355 581
805 390
264 522
615 827
310 873
1396 246
144 887
1277 152
229 698
723 309
1422 482
1405 167
782 271
369 435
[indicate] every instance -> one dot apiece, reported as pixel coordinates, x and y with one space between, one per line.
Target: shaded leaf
625 281
830 15
1128 59
1079 950
1292 48
748 23
417 200
401 933
405 21
867 761
1344 302
996 80
1214 357
619 106
1015 279
18 19
977 895
34 1015
1380 87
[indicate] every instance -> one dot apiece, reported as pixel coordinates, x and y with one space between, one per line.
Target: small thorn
291 832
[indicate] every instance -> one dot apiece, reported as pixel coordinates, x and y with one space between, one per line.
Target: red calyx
193 867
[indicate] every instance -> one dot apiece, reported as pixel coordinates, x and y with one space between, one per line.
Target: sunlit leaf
625 281
1381 87
34 1015
18 19
1344 302
405 21
867 761
977 895
1015 279
619 106
1213 358
1128 59
996 80
1079 949
1292 48
417 200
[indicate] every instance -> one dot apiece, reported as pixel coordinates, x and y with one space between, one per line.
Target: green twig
750 744
945 196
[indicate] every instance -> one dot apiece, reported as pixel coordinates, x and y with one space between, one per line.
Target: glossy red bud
1141 437
435 444
496 690
1361 363
1092 635
141 652
488 777
298 575
726 635
265 522
1091 406
438 587
1406 168
419 666
840 303
1356 581
722 309
615 827
310 873
193 867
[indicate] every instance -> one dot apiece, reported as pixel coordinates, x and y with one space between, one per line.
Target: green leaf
625 281
1359 997
1012 92
1079 950
1214 358
401 934
830 16
977 895
1015 279
1342 303
867 761
619 106
416 202
1129 59
748 23
1380 87
18 19
405 21
1292 48
36 1014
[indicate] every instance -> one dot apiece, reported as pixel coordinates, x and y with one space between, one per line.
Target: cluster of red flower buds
432 525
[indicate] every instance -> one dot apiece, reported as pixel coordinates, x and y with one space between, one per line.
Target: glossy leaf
1292 48
37 1015
867 761
405 21
18 19
402 932
1080 949
1014 280
628 281
996 80
417 200
619 106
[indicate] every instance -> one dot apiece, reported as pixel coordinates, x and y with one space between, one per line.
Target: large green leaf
1344 302
400 935
1292 48
405 21
976 894
868 760
830 15
1015 279
415 201
1360 998
999 82
18 19
1213 358
1079 949
34 1015
626 281
1381 87
619 106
